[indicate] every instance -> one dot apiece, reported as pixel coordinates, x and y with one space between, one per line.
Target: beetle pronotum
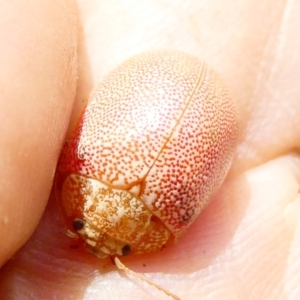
153 144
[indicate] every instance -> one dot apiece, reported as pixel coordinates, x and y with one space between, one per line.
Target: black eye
78 224
126 250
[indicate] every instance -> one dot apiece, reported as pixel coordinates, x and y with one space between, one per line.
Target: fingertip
38 83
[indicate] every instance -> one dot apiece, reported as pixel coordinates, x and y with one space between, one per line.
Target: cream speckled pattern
160 127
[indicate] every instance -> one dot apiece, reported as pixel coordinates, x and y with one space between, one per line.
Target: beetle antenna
121 266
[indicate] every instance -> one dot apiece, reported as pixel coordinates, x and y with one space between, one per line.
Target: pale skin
245 245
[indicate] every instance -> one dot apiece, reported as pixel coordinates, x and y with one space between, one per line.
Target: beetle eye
78 224
126 250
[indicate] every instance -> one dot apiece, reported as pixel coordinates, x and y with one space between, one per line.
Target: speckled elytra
153 145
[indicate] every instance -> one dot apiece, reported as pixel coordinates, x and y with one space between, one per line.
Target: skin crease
245 245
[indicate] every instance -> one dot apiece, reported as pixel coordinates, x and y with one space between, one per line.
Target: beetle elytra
152 146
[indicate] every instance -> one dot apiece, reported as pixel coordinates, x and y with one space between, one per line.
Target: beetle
152 146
